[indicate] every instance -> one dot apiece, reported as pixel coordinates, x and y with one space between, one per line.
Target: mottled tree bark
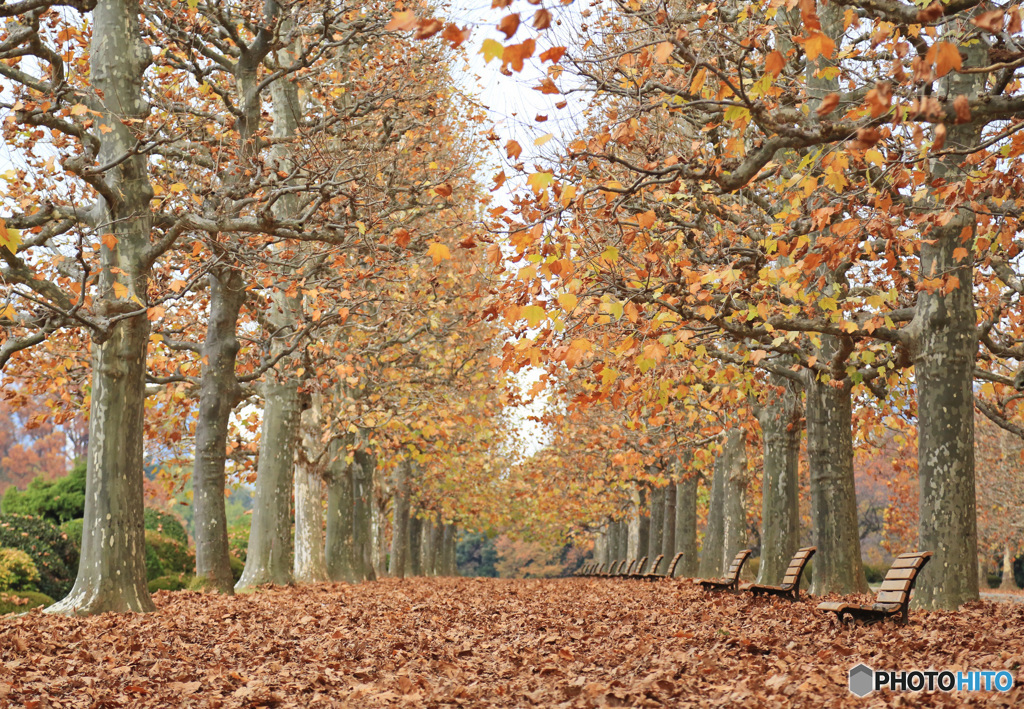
310 564
416 546
338 548
945 345
735 534
219 390
112 565
269 556
362 518
837 563
219 393
711 550
686 526
668 533
1009 583
657 523
432 534
780 509
400 525
451 536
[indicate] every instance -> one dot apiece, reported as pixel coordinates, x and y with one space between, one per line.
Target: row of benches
892 601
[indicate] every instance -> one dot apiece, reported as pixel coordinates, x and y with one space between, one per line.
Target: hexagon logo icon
862 680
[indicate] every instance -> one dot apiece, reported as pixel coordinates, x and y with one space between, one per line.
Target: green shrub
174 557
53 553
17 571
57 500
875 574
166 524
154 569
73 528
171 582
22 601
237 567
238 542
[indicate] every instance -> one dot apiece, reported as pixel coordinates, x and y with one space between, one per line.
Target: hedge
53 553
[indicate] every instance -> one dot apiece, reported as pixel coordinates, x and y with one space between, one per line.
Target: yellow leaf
120 289
533 314
438 252
568 301
9 238
610 255
543 139
491 49
539 181
178 187
874 157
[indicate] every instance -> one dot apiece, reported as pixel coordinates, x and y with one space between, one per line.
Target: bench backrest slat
736 565
656 563
672 567
797 565
899 580
640 566
629 568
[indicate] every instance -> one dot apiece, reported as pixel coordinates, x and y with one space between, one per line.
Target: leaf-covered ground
477 642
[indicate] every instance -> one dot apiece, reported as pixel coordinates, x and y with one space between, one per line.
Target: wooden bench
616 568
671 569
731 578
629 569
635 569
893 597
654 567
790 587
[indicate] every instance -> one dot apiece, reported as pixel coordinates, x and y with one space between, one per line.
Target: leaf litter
448 642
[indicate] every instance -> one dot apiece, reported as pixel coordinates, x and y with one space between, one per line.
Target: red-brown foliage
486 642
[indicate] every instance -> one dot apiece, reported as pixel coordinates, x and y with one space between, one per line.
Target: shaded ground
487 642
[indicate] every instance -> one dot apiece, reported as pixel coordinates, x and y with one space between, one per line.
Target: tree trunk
780 509
1009 583
711 550
380 537
657 503
112 565
837 563
451 536
945 346
269 557
340 506
219 393
416 546
362 518
400 526
447 532
686 526
310 559
432 539
668 533
735 534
